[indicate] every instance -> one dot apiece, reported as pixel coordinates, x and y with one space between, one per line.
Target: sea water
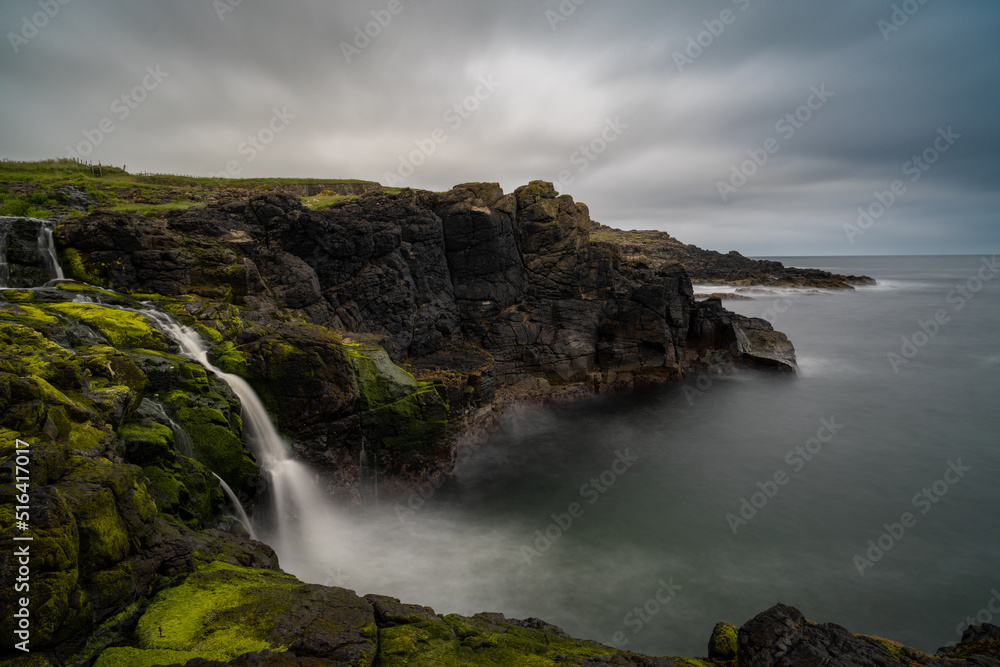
864 491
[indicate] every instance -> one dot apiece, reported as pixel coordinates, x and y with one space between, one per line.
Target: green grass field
30 189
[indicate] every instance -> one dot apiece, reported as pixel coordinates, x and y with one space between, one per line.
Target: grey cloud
685 129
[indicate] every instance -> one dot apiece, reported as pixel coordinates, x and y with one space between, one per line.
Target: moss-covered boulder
121 328
300 372
217 445
722 644
223 611
92 519
405 421
181 487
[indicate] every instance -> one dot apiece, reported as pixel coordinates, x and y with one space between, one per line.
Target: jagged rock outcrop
710 266
782 637
718 337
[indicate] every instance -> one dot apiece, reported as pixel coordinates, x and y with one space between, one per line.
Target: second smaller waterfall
47 249
241 514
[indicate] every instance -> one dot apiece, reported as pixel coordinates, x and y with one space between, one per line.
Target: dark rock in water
714 332
781 636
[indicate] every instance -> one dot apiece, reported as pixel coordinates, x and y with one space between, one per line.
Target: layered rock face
485 296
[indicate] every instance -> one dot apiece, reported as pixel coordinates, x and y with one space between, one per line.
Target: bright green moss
723 641
24 351
209 333
218 447
218 613
122 328
230 359
27 315
77 269
82 288
17 295
477 641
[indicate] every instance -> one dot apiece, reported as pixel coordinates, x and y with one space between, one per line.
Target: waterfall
4 266
295 499
241 514
47 249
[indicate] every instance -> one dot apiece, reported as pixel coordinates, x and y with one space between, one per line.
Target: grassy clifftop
55 188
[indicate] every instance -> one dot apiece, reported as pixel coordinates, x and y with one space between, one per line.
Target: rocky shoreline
401 322
660 249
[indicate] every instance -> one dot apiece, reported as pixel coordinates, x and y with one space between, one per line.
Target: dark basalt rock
483 294
719 337
709 266
781 636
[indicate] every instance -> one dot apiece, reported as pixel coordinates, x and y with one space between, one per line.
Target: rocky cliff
396 320
482 297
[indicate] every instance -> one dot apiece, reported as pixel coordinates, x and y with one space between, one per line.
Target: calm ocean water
864 491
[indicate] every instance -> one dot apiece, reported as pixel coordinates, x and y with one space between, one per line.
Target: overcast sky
667 114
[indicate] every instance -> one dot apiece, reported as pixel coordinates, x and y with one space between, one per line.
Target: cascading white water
292 489
241 514
47 249
393 549
4 266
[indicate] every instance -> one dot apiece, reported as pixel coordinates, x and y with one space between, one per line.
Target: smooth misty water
664 518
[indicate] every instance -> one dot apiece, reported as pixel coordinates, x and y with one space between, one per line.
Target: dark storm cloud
538 85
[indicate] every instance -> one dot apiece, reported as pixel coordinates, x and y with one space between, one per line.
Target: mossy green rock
56 601
722 644
300 372
113 511
122 328
181 487
218 447
406 420
223 611
381 382
413 636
